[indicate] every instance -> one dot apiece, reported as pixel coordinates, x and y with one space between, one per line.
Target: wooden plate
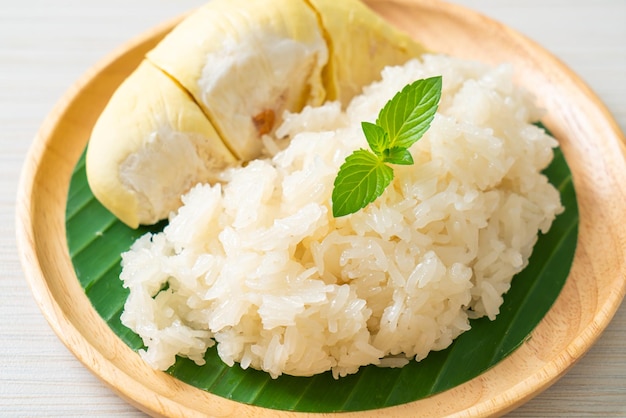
590 140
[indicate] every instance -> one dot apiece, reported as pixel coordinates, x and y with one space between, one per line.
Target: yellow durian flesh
149 146
246 62
361 44
203 97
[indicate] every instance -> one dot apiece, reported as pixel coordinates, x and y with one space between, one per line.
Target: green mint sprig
364 175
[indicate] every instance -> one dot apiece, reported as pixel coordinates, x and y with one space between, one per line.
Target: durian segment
149 146
361 44
246 62
223 77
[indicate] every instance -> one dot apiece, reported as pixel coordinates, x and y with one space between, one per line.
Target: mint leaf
398 156
377 138
401 122
361 179
407 116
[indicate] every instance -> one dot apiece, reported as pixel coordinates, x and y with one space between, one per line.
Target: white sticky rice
259 265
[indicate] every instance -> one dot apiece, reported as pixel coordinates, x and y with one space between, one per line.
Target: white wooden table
45 46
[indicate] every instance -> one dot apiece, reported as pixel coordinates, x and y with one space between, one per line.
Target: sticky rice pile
258 264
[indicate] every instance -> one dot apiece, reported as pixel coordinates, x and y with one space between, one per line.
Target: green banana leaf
96 239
